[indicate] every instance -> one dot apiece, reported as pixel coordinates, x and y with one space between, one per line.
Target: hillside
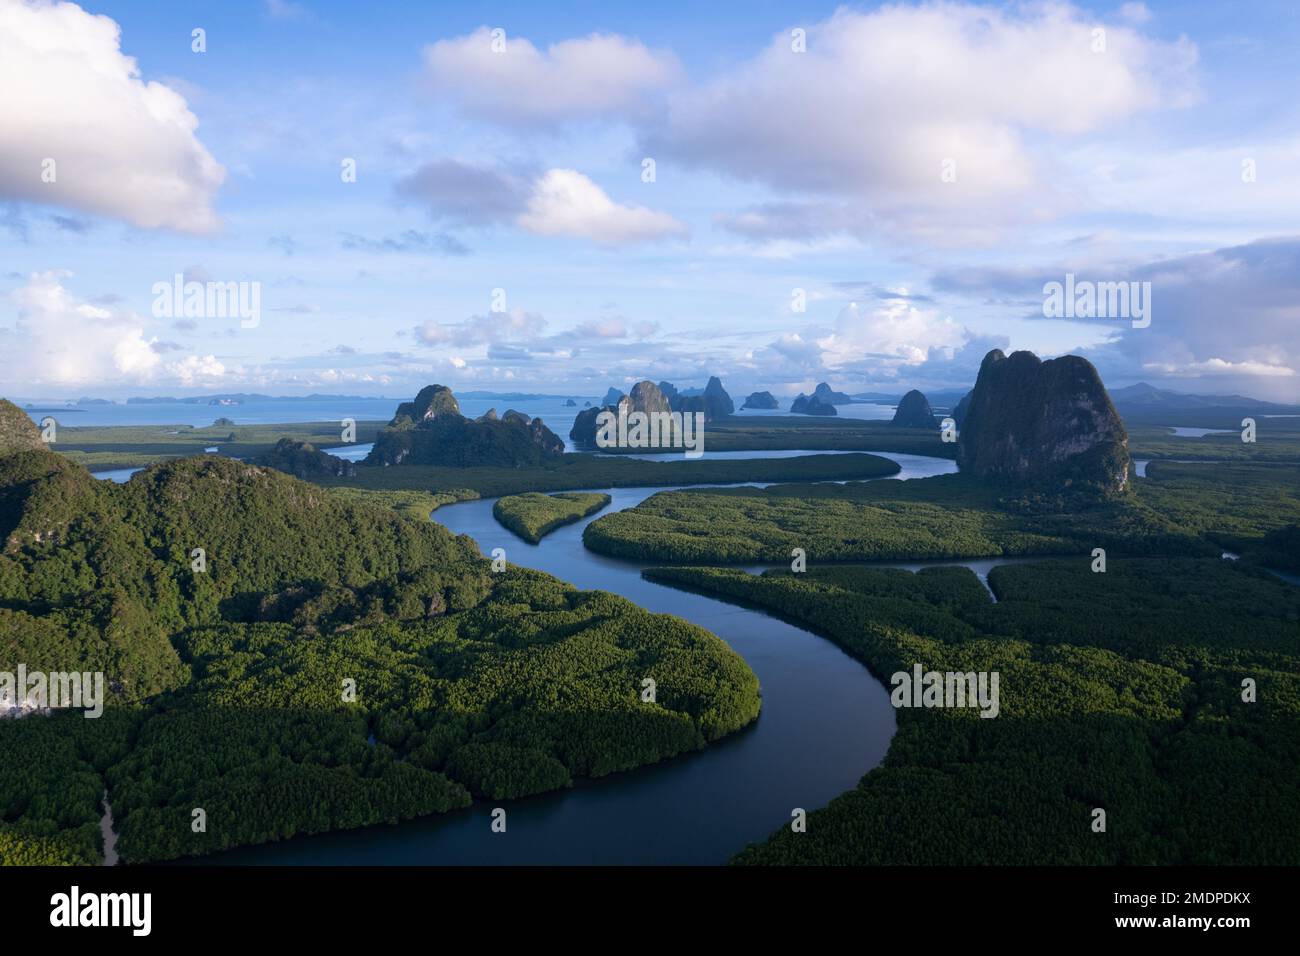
228 673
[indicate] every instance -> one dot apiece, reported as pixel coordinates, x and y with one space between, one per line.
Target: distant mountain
712 399
945 398
241 397
645 397
824 393
717 403
431 431
761 400
914 411
811 405
1143 395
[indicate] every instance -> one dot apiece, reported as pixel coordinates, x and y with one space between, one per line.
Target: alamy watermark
1085 299
29 692
624 429
921 688
179 299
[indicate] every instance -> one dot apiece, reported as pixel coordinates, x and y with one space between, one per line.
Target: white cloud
894 333
879 101
60 340
197 370
122 147
601 74
513 325
1218 366
566 203
894 339
560 202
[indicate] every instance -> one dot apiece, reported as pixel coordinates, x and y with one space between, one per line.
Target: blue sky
913 176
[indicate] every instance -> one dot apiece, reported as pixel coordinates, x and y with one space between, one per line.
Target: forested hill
95 575
230 608
17 431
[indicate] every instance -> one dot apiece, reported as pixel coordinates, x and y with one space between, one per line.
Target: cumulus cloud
878 340
566 203
606 328
60 340
880 101
197 370
560 202
515 324
597 75
520 338
893 337
121 147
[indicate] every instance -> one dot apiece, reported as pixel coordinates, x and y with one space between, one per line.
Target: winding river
825 722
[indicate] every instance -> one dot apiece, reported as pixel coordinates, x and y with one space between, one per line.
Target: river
825 722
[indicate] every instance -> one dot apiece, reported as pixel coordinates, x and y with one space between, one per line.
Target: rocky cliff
432 431
761 400
914 411
811 405
644 397
959 413
1048 423
824 393
433 401
712 400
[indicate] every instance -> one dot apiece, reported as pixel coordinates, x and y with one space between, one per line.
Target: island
532 516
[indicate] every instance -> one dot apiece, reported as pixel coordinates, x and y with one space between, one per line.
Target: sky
557 198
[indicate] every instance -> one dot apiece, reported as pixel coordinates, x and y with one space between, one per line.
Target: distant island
712 401
914 412
431 431
824 393
811 405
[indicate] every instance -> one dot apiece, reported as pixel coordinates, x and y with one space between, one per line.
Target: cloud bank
85 132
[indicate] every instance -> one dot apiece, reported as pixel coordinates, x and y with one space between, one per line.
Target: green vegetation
1276 439
51 782
17 431
532 687
532 516
228 683
102 448
775 432
416 505
1178 509
1121 691
607 471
